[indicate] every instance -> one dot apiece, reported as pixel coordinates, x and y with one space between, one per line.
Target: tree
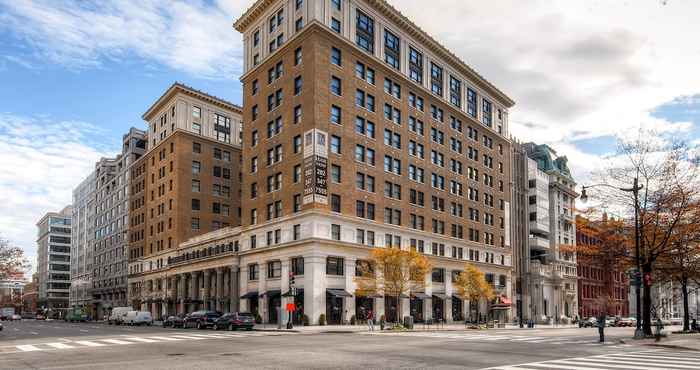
472 285
667 171
11 259
392 272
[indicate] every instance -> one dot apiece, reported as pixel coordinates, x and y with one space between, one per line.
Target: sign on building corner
315 167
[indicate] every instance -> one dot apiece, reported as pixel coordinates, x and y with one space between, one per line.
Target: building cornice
178 87
406 25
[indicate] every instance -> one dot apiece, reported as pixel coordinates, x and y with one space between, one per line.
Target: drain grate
175 354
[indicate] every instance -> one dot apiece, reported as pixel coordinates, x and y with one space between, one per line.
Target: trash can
408 322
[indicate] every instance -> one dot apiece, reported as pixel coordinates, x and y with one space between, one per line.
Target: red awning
505 300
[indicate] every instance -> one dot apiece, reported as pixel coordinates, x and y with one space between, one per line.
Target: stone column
262 288
428 302
234 278
180 298
219 288
448 293
149 293
349 302
194 288
173 295
314 287
206 288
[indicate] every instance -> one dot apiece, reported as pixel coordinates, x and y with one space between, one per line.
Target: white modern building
81 242
53 260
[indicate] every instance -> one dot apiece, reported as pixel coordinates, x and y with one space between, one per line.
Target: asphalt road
58 345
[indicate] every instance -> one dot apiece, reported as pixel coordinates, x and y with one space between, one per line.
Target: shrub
353 320
322 319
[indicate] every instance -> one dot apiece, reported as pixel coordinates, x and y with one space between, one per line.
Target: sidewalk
417 327
688 342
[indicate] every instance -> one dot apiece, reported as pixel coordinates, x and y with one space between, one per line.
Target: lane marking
114 341
59 345
166 338
143 340
187 337
28 348
88 343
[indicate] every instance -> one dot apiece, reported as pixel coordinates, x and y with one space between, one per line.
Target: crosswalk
479 337
643 360
122 340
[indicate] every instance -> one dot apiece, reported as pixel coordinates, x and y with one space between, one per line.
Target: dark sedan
201 319
235 320
175 321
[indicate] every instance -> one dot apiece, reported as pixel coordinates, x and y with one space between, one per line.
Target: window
256 38
196 186
335 174
416 197
335 203
392 190
336 86
335 266
392 165
392 88
438 275
299 24
392 114
364 155
253 216
195 205
222 128
336 57
455 92
196 112
297 144
196 167
392 216
274 127
392 49
297 85
364 182
194 223
336 4
364 73
486 113
297 56
471 103
297 173
436 113
297 264
436 79
254 165
297 236
299 3
296 203
364 127
416 101
335 25
415 65
196 148
416 126
364 210
253 271
365 32
335 232
274 269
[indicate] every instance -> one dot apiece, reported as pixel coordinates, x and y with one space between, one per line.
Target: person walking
659 327
370 320
601 328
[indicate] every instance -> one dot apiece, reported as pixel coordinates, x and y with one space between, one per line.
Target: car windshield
245 315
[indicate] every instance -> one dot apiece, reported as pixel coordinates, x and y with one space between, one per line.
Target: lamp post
636 187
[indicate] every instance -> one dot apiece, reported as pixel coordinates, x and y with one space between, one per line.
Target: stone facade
83 234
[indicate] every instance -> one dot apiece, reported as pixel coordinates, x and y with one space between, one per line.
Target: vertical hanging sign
315 167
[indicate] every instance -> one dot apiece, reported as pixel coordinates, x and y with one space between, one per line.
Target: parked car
175 321
40 317
626 322
0 326
138 318
235 320
28 316
16 317
201 319
591 322
117 315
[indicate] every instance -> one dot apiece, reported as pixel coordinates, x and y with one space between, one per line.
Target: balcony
538 243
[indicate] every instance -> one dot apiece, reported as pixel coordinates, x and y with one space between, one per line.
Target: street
60 345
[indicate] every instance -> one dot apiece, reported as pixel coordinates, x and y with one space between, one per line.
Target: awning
338 293
272 292
440 295
249 295
420 295
505 300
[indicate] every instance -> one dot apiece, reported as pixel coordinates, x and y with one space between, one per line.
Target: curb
673 346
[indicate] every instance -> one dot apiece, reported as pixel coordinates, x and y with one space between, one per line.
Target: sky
75 75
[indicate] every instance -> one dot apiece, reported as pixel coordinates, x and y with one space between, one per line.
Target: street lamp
636 187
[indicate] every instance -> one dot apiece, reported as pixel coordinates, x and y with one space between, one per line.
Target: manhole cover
175 354
230 354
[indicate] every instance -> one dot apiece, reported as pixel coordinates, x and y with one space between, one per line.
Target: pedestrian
659 327
601 328
694 325
370 320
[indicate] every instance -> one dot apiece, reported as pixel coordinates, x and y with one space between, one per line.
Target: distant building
82 224
11 291
598 286
53 259
544 234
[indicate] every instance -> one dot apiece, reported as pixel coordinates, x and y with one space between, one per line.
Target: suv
174 321
200 319
235 320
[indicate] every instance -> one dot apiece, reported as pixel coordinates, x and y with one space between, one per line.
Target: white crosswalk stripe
643 360
131 339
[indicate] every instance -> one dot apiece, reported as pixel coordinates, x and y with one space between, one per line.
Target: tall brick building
186 184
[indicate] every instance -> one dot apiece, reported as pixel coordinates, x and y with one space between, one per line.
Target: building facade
12 291
111 226
599 288
53 260
545 230
186 184
82 236
361 131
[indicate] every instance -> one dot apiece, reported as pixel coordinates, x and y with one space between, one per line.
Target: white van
117 315
138 318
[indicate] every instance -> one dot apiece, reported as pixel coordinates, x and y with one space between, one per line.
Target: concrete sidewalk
417 327
688 342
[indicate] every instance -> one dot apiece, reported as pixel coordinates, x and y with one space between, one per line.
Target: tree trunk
646 302
686 314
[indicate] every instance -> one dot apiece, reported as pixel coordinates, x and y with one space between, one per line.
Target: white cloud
192 36
42 161
577 70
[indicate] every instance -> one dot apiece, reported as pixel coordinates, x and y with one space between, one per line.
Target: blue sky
74 75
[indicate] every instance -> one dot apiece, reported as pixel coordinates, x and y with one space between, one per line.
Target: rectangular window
455 92
335 232
335 203
253 271
415 65
297 85
336 86
471 103
297 56
335 266
336 57
336 115
335 25
365 32
436 79
297 264
274 269
392 49
486 113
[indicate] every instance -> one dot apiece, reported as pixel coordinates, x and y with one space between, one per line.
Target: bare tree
11 259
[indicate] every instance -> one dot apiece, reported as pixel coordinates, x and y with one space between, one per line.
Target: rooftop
178 87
